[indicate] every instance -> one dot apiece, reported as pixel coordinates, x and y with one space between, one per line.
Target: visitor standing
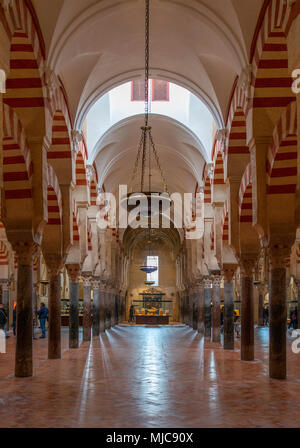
131 314
43 316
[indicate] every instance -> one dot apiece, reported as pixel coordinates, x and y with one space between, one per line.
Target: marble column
74 272
228 270
191 307
297 283
5 299
23 355
195 308
96 307
54 265
207 306
201 309
87 308
278 317
113 308
102 309
186 308
216 311
247 318
108 312
261 295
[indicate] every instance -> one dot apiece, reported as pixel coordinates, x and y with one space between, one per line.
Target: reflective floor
149 377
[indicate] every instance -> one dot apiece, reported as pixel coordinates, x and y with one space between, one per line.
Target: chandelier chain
147 51
158 163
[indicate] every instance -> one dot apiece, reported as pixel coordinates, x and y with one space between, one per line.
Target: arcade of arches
58 62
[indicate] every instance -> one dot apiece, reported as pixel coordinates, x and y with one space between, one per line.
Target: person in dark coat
15 318
131 314
3 320
43 316
266 316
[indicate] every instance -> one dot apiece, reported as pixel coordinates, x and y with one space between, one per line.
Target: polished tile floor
149 377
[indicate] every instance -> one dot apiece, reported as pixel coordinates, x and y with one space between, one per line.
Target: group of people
42 314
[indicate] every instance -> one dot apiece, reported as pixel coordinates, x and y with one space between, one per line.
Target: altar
152 309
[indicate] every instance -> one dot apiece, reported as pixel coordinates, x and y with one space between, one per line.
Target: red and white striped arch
60 142
54 198
237 134
207 190
239 103
282 154
225 223
218 178
17 165
76 224
81 176
245 196
3 254
25 87
271 83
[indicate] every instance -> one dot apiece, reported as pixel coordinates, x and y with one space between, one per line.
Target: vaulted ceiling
199 44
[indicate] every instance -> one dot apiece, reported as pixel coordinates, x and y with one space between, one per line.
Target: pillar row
229 270
96 307
201 309
247 330
74 273
216 318
23 355
277 301
207 306
54 265
87 308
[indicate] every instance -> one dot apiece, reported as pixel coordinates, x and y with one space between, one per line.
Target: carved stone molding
277 256
52 82
73 272
76 138
221 137
244 81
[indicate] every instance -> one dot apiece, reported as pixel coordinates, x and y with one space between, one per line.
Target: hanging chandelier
146 152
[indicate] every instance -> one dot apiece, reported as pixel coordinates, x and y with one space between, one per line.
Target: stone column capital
96 283
229 271
207 282
54 264
24 251
216 280
247 265
73 272
5 285
87 279
278 254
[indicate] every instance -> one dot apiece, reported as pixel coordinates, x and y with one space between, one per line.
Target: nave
135 377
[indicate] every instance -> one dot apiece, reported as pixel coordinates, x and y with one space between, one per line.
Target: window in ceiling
158 90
